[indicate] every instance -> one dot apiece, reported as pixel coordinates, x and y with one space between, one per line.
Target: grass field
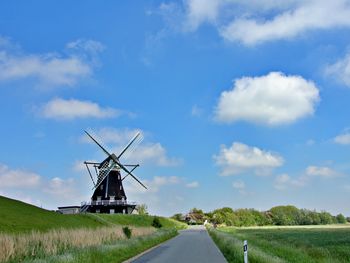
29 233
285 244
19 217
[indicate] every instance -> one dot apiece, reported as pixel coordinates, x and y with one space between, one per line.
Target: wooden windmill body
109 195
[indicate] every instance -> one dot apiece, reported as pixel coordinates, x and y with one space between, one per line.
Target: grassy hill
17 217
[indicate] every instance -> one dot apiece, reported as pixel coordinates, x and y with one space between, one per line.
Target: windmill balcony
108 202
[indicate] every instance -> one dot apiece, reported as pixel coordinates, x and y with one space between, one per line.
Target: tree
142 209
178 217
285 215
326 218
340 219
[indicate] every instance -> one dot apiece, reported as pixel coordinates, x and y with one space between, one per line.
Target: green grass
292 244
117 252
140 220
18 217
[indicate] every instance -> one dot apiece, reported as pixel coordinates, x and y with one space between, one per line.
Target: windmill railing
108 202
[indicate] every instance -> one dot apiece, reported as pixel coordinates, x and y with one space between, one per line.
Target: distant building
69 210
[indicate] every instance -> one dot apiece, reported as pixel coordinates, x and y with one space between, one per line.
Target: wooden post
245 250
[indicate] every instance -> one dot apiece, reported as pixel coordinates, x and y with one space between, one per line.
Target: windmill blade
92 179
133 147
103 149
129 173
129 144
104 171
134 167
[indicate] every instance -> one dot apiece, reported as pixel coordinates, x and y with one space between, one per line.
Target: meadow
32 234
285 244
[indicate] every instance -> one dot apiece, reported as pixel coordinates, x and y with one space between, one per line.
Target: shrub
341 219
142 209
127 232
156 222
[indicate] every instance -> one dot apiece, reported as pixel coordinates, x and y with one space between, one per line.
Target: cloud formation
340 70
62 109
343 138
321 171
284 181
255 22
240 158
33 188
193 184
240 186
49 69
152 153
18 178
268 100
305 16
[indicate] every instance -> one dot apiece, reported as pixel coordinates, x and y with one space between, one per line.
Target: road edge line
148 250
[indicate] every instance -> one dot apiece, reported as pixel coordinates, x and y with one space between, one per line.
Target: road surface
191 245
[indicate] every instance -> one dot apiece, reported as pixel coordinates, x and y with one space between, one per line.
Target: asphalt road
191 245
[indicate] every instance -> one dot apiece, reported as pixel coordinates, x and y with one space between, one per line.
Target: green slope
17 217
140 220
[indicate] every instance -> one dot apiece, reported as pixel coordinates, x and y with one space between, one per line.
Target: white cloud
307 16
32 188
196 111
90 46
112 136
240 158
321 171
153 153
267 100
343 138
340 70
17 178
153 186
201 11
193 184
64 189
284 181
258 21
61 109
50 69
240 186
146 153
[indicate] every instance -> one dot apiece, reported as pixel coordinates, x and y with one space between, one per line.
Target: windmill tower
109 195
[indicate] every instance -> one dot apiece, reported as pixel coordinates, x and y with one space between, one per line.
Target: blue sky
240 104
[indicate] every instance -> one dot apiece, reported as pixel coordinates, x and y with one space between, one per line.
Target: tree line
278 215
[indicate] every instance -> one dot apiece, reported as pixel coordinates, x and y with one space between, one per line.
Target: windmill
109 195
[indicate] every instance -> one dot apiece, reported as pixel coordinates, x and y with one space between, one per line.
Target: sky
240 103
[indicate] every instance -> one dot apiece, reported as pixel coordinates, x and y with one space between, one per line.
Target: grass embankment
19 217
29 233
40 244
287 244
140 220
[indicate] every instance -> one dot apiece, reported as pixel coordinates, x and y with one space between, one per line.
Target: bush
177 217
142 209
127 232
341 219
156 222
